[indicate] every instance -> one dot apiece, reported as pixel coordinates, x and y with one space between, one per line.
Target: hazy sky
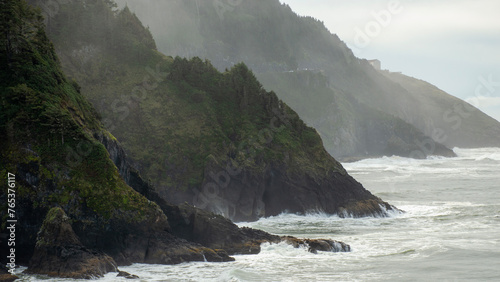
453 44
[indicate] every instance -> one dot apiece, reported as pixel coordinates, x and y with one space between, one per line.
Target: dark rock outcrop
168 249
185 221
127 275
216 231
60 253
315 245
280 188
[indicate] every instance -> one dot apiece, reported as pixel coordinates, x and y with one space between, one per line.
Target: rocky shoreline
84 210
60 253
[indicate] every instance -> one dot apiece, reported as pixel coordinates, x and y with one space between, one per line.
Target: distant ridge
271 39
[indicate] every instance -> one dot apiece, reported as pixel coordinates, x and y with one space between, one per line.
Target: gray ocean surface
450 230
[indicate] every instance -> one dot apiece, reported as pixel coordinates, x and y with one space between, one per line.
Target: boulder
315 245
127 275
59 252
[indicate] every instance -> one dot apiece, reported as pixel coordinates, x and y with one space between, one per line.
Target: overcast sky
449 43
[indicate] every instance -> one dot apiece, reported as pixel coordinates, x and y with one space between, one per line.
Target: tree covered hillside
272 40
217 140
51 151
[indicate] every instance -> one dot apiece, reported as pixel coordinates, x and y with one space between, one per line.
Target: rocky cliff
200 226
48 149
78 215
217 140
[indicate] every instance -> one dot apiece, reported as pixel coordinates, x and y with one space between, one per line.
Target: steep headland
216 140
452 121
83 208
350 129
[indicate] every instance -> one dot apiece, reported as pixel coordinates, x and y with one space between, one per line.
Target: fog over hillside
272 39
453 45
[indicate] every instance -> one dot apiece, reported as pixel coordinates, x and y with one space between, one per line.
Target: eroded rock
127 275
315 245
59 252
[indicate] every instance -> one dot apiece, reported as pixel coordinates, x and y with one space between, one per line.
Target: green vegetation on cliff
65 161
274 41
214 139
350 129
189 111
47 133
46 122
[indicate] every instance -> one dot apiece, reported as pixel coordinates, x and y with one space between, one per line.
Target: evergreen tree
10 22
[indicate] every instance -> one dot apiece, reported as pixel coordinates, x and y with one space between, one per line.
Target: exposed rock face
169 249
216 231
187 222
60 253
279 188
127 171
127 275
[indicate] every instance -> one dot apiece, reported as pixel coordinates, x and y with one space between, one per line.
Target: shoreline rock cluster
60 253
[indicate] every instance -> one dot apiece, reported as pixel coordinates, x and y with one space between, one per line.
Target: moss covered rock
60 253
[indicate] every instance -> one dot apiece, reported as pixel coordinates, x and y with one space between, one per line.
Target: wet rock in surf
315 245
127 275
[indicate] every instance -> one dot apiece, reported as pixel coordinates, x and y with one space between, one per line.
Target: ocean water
450 230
